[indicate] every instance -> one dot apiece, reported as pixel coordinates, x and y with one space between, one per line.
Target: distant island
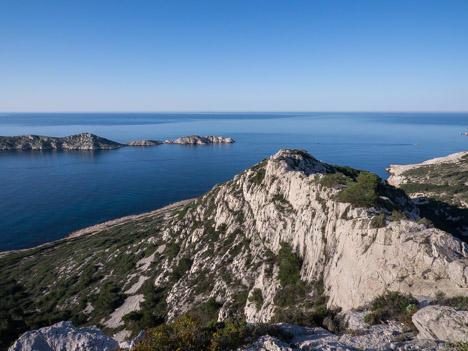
198 140
88 141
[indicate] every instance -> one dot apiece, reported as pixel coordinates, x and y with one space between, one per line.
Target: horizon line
244 111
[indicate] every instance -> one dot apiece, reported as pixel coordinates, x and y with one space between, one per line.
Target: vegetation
362 193
334 180
392 306
460 302
190 334
259 173
257 298
378 221
289 265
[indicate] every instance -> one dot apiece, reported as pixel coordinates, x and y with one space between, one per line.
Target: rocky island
144 143
342 257
87 141
83 141
199 140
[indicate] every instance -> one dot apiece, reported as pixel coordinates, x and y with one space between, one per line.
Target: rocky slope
199 140
283 241
83 141
445 178
440 188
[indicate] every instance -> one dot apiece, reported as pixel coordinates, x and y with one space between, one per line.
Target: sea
44 195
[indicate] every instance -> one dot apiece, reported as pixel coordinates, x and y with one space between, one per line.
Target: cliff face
83 141
282 199
199 140
289 234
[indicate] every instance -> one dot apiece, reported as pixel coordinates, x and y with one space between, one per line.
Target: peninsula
289 240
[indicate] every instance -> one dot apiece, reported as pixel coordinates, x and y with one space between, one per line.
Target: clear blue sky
237 55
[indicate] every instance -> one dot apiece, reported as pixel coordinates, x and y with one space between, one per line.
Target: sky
233 55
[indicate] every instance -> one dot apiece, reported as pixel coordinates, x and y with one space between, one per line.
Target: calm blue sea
45 195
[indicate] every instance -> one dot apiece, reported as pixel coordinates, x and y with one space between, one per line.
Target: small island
88 141
199 140
83 141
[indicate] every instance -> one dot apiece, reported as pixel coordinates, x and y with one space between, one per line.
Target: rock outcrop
64 336
442 323
144 142
378 338
83 141
199 140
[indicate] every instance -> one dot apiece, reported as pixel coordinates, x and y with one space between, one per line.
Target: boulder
442 323
64 336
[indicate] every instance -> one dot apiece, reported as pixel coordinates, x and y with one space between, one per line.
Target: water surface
46 194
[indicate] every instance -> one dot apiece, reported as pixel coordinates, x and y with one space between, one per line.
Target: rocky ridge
343 235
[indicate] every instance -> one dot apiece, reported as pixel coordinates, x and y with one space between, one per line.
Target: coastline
97 228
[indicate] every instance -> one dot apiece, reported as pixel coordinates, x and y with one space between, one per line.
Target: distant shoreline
98 228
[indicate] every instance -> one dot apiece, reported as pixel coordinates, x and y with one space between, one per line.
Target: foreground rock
199 140
442 323
144 143
83 141
64 336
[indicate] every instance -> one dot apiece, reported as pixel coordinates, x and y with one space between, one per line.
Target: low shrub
190 334
460 302
378 221
333 180
392 306
362 193
289 265
257 298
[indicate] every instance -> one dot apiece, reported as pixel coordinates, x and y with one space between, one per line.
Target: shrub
257 298
392 305
171 250
378 221
289 265
189 334
109 297
362 193
333 180
182 267
460 302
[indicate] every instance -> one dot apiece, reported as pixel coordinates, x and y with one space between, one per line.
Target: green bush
171 250
362 193
257 298
378 221
182 267
460 302
392 306
189 334
109 298
289 265
333 180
